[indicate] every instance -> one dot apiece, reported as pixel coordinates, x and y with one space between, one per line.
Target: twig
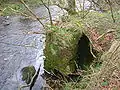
47 7
87 12
83 8
112 15
97 5
31 17
91 49
110 31
22 1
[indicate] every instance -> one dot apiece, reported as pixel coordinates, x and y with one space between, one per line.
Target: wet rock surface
17 50
20 48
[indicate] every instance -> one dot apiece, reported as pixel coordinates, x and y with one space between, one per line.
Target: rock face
81 3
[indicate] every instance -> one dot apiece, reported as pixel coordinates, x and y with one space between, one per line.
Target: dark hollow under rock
83 56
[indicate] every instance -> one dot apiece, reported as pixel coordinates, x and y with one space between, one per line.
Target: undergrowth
99 23
95 24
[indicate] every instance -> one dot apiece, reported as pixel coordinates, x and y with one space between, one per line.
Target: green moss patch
27 73
60 49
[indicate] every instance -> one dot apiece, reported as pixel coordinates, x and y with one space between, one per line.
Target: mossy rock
61 45
27 73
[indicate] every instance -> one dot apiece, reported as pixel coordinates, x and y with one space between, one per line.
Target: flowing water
20 48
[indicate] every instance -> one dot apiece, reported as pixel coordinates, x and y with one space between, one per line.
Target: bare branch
96 4
37 18
112 15
47 7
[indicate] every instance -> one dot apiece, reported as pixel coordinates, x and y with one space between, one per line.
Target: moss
61 44
27 73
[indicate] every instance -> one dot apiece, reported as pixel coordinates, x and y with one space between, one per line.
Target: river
19 47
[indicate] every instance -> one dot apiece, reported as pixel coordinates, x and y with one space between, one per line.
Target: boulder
61 47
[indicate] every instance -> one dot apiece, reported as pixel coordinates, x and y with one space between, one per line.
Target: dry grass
108 77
